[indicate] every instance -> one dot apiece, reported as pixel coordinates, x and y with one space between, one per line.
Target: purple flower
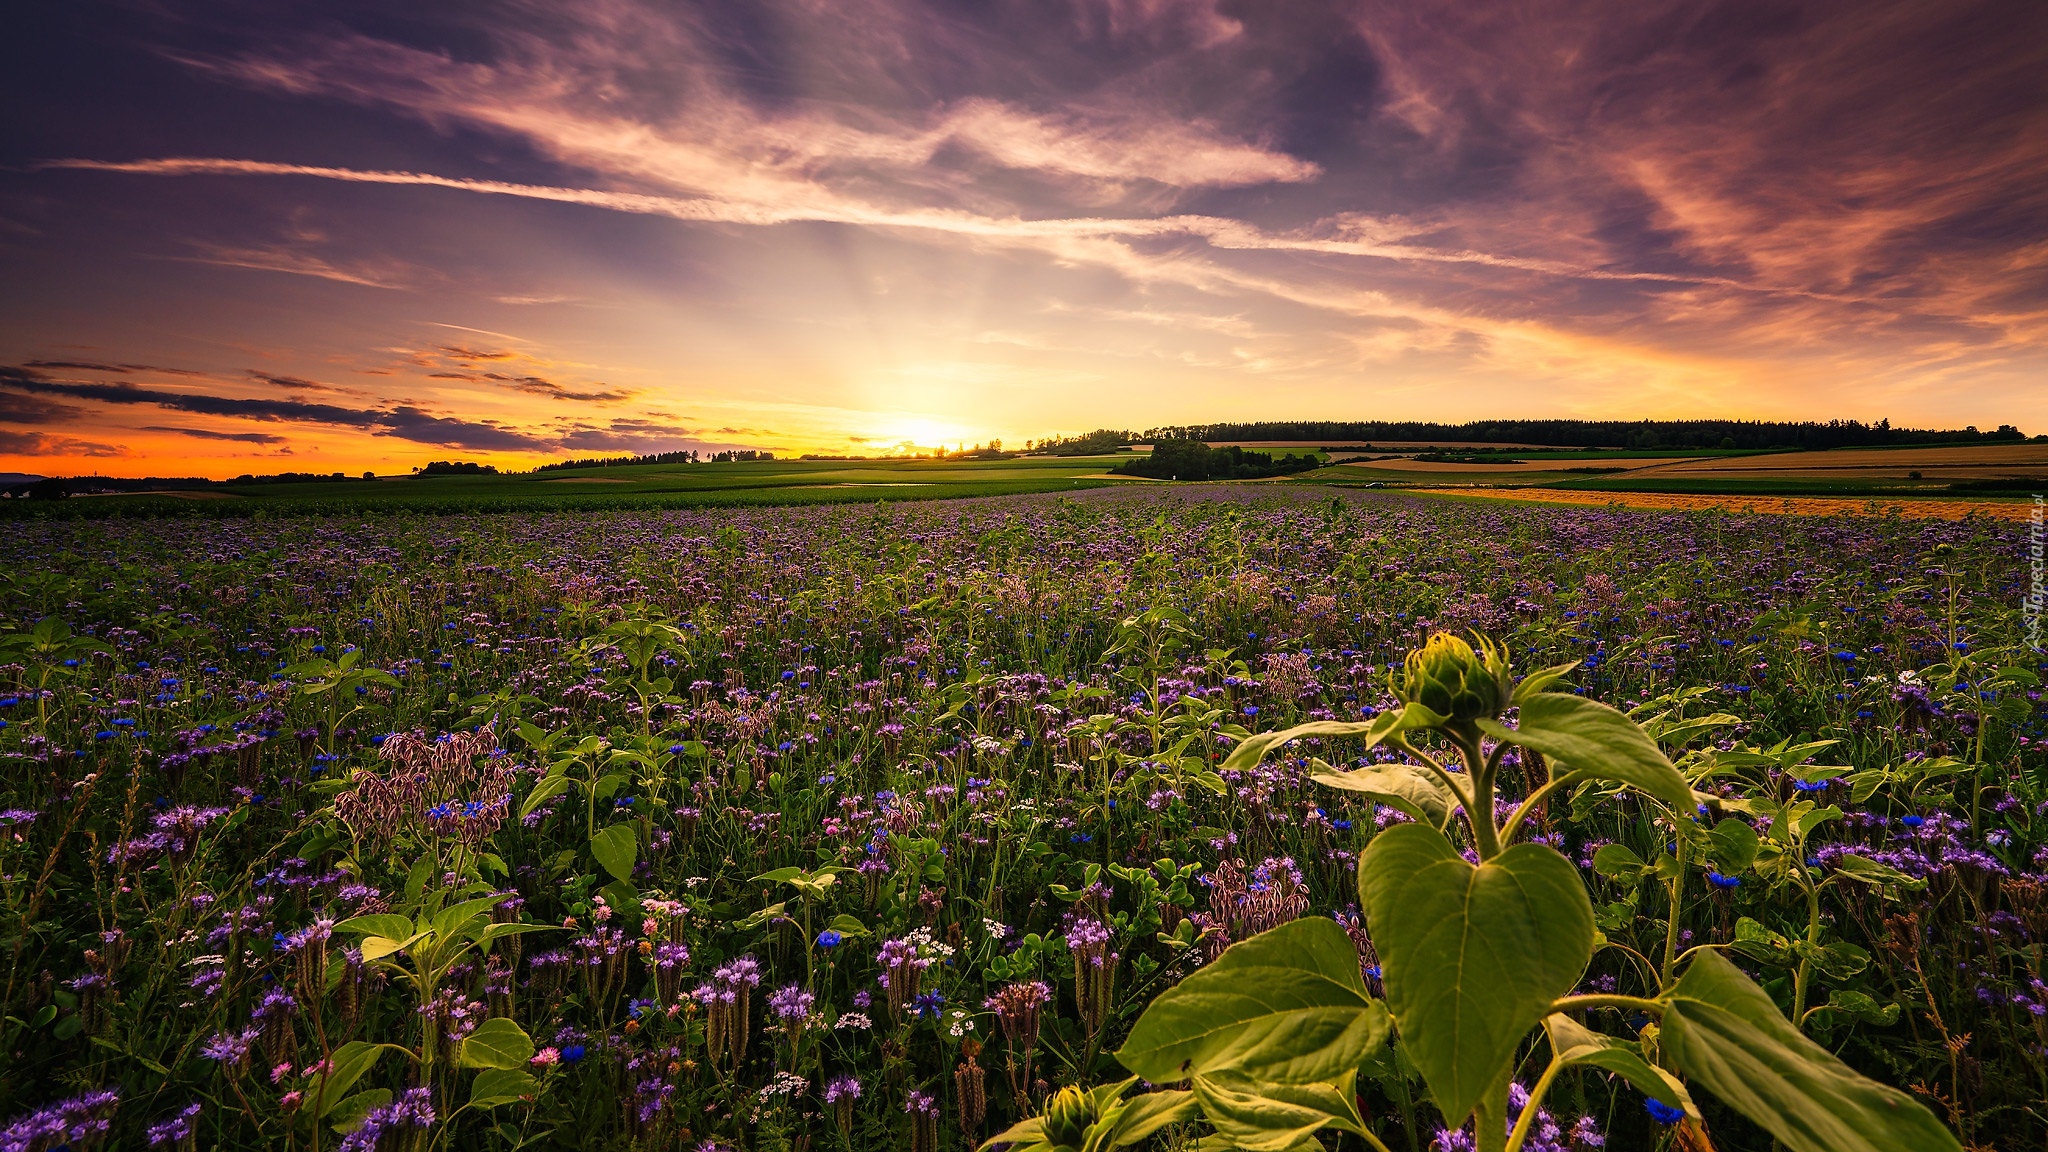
414 1110
791 1003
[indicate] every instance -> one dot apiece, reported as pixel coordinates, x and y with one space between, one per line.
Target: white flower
854 1020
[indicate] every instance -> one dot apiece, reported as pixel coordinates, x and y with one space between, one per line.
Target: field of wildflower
906 827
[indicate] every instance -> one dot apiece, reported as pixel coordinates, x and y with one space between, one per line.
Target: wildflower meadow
1233 817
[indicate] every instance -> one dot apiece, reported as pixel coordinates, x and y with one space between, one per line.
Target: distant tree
50 489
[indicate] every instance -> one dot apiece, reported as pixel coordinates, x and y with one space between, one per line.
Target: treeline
691 456
454 468
1096 443
1743 434
1194 460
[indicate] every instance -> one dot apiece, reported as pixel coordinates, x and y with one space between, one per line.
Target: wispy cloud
44 444
210 434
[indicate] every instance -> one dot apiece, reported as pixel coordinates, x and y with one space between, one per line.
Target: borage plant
1480 943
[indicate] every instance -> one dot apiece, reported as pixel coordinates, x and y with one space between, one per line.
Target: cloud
405 421
1061 236
115 369
295 383
210 434
293 262
43 444
18 409
1734 205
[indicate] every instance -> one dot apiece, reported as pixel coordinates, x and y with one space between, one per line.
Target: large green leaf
1404 787
1276 1117
1724 1032
497 1043
1574 1044
1586 735
1471 956
1286 1006
495 1086
616 848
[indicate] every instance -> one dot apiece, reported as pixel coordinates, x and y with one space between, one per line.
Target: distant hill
8 479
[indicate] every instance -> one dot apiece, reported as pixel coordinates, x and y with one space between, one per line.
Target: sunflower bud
1067 1117
1447 677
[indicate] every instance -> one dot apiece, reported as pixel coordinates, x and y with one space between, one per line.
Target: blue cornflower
829 939
1811 785
572 1054
1661 1112
1912 821
1720 881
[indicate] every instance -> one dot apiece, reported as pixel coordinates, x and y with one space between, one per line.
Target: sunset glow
241 241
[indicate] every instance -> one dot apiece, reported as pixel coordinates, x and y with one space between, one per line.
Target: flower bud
1067 1117
1447 677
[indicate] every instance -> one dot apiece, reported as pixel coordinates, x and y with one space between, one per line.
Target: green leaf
449 921
1276 1117
1732 844
1573 1044
495 1086
1403 787
1285 1006
847 925
1141 1116
616 848
1253 749
348 1115
1839 960
1862 1006
1538 682
1868 871
1725 1033
344 1068
1026 1135
549 788
500 931
1588 736
378 947
1471 956
497 1043
385 924
1759 943
416 879
1618 862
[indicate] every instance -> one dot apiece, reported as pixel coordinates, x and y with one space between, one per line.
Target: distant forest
1194 460
688 457
1750 434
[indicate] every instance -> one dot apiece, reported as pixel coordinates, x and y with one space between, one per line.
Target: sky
360 235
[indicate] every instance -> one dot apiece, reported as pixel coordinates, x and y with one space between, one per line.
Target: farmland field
1969 472
629 486
875 826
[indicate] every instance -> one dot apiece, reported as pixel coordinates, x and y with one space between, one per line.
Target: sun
906 433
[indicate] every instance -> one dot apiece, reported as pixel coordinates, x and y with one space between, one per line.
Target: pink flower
278 1073
546 1058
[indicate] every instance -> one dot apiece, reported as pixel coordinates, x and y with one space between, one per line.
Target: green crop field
596 488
